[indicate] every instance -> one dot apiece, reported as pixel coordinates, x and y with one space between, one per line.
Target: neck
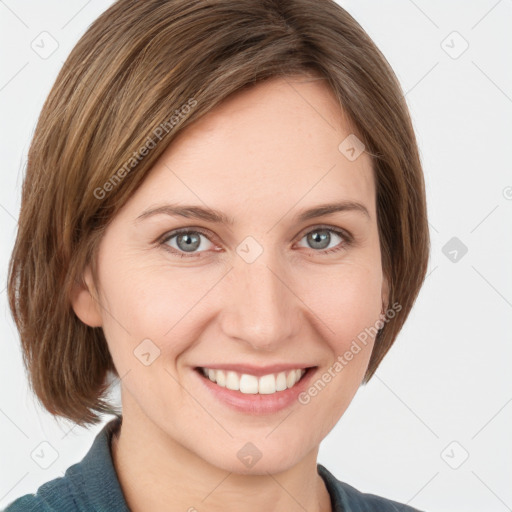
159 474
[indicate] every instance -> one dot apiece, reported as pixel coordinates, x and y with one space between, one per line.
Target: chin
247 458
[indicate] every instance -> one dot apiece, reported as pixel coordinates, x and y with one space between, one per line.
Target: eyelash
347 240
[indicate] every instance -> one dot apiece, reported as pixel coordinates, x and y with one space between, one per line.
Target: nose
259 306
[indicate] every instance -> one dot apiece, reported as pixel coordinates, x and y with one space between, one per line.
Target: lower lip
255 403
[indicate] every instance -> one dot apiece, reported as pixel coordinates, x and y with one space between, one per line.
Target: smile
251 384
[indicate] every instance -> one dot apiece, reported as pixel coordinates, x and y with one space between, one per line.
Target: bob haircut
142 73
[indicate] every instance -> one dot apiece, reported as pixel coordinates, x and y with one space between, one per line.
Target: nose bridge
261 307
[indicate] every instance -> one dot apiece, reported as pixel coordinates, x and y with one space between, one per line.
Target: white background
447 380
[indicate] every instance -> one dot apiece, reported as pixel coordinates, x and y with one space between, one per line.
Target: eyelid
207 232
178 231
163 239
342 232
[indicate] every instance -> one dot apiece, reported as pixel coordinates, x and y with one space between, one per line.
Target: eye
185 242
320 239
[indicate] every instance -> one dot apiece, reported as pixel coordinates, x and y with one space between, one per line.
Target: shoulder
53 496
90 484
372 502
348 498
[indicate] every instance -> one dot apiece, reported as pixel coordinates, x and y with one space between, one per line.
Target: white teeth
232 381
221 378
290 379
281 381
267 385
250 384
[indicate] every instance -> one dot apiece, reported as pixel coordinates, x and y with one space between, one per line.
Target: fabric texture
91 485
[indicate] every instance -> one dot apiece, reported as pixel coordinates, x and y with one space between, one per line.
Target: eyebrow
216 216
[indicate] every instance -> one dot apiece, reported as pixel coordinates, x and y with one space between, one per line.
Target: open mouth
270 384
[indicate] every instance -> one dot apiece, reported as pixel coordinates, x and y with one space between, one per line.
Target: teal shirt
91 485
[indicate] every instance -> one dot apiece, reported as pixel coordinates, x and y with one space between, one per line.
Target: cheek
158 302
347 300
145 301
348 304
147 326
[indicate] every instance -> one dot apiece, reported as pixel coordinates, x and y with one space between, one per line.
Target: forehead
273 144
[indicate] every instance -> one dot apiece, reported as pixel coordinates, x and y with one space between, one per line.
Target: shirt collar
95 477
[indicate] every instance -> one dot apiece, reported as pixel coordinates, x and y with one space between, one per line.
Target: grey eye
321 238
187 241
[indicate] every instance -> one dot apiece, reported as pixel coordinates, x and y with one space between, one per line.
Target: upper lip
257 371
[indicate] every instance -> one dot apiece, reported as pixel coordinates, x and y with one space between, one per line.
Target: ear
85 302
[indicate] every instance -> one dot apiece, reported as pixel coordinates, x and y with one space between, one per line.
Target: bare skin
261 157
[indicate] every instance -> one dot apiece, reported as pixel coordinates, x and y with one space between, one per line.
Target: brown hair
122 83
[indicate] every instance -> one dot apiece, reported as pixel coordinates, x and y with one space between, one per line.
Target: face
262 291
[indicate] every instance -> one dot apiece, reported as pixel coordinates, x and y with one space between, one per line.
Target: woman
224 207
